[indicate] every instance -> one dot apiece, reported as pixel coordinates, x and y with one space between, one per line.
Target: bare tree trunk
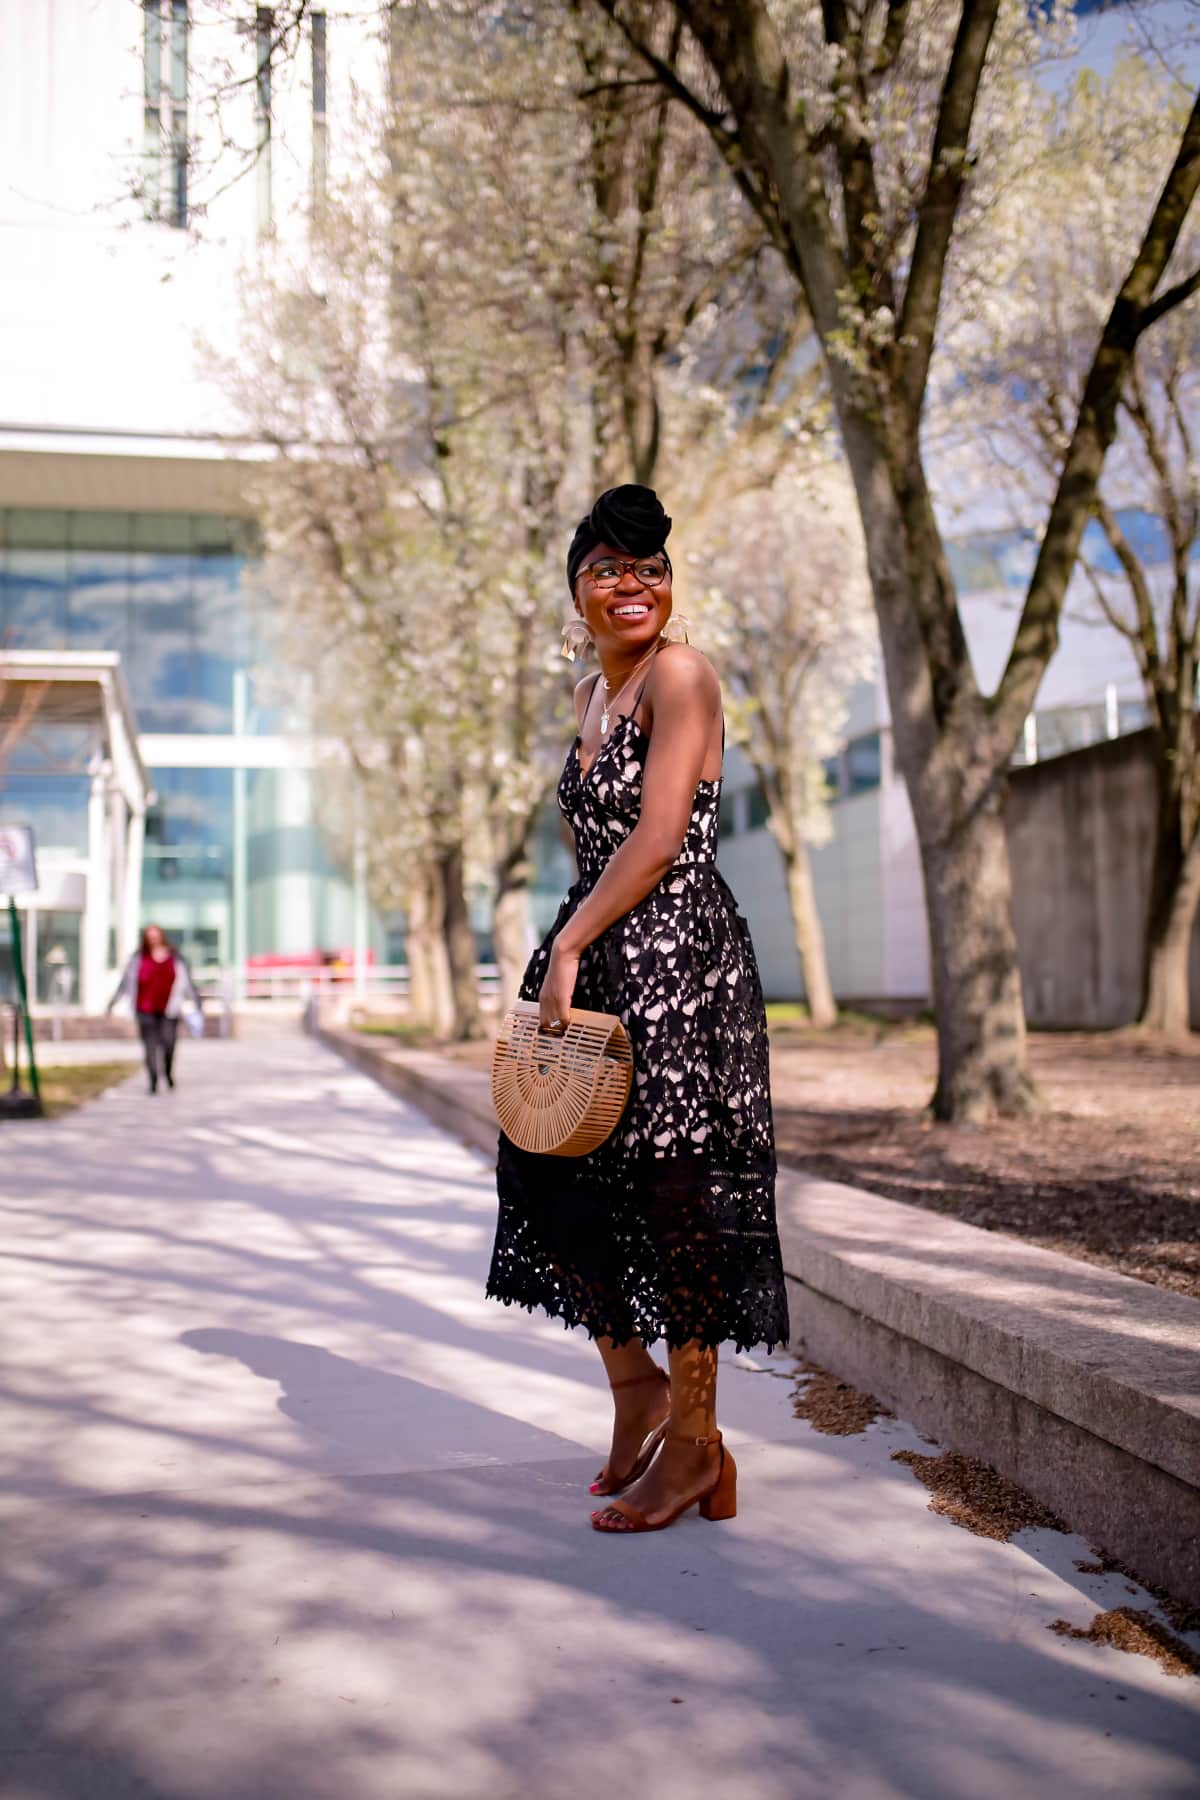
947 747
1175 899
810 939
982 1055
430 993
460 946
510 926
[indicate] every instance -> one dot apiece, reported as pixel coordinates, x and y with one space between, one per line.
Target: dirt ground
1112 1175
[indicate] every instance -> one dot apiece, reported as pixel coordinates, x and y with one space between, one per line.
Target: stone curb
1080 1383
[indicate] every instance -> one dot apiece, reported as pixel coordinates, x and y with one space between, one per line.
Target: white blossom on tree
860 134
786 608
1056 238
488 324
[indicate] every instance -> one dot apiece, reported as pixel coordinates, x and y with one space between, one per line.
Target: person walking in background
159 986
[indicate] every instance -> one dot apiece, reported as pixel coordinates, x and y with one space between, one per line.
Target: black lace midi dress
667 1230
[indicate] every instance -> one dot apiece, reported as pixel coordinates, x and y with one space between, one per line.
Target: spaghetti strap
645 682
587 705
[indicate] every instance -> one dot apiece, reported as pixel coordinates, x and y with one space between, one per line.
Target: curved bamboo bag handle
560 1095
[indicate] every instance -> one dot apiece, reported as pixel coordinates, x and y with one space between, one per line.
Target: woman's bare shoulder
682 672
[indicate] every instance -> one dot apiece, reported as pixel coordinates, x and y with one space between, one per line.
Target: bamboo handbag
560 1094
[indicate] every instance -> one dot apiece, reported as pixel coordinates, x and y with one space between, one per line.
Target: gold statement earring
576 640
675 631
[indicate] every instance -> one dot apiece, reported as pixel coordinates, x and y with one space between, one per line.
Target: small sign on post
18 875
18 863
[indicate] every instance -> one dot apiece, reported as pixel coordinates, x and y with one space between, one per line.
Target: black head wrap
631 518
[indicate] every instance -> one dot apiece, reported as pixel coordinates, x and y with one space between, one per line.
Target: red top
155 981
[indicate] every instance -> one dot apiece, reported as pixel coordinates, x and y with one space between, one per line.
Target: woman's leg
170 1029
638 1406
148 1027
684 1466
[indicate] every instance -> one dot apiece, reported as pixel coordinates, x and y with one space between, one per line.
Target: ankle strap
678 1437
640 1380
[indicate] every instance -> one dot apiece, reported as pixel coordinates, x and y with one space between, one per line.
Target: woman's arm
687 701
189 984
127 983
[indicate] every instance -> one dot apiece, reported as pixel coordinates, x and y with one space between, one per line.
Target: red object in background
340 964
155 979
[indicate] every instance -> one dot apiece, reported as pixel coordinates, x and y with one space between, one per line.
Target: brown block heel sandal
605 1483
717 1501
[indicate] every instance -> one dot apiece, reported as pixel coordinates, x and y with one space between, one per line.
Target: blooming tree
788 611
1057 238
513 303
861 134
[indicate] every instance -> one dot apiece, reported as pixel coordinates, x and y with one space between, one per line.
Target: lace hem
681 1253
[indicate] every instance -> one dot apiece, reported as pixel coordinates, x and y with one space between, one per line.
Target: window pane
152 74
35 528
161 641
318 63
163 590
757 810
833 776
33 607
188 859
98 603
179 51
58 962
179 125
864 763
55 805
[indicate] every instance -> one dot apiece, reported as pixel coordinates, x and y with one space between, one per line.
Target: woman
668 1229
159 984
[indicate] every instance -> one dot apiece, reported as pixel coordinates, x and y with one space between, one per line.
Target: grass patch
66 1085
787 1015
402 1030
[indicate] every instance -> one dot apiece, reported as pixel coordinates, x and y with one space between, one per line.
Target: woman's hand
554 1000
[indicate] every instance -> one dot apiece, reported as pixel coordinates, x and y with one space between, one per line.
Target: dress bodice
603 806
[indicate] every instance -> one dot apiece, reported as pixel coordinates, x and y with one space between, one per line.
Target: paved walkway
289 1512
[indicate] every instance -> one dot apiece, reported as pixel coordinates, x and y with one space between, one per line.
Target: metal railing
252 985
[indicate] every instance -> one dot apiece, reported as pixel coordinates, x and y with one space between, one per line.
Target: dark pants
158 1041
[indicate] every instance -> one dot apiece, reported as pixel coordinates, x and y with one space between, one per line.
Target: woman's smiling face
626 614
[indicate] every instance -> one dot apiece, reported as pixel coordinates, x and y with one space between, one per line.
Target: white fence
251 986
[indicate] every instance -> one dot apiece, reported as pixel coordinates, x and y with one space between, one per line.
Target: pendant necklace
609 704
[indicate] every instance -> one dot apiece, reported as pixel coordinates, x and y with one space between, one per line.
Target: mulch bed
974 1495
1112 1175
1139 1633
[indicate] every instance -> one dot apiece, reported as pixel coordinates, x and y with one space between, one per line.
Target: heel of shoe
722 1502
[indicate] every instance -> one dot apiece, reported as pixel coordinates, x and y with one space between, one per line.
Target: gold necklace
609 704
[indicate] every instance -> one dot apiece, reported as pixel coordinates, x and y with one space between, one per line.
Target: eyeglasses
651 571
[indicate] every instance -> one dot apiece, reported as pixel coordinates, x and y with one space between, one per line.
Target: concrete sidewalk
290 1512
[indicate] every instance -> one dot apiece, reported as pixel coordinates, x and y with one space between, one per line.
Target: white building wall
902 896
105 316
848 881
868 879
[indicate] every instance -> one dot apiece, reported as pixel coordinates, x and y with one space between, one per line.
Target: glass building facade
166 591
162 589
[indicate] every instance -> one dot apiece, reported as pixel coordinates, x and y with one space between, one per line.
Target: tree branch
1036 637
893 36
948 168
1144 637
1173 297
754 190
